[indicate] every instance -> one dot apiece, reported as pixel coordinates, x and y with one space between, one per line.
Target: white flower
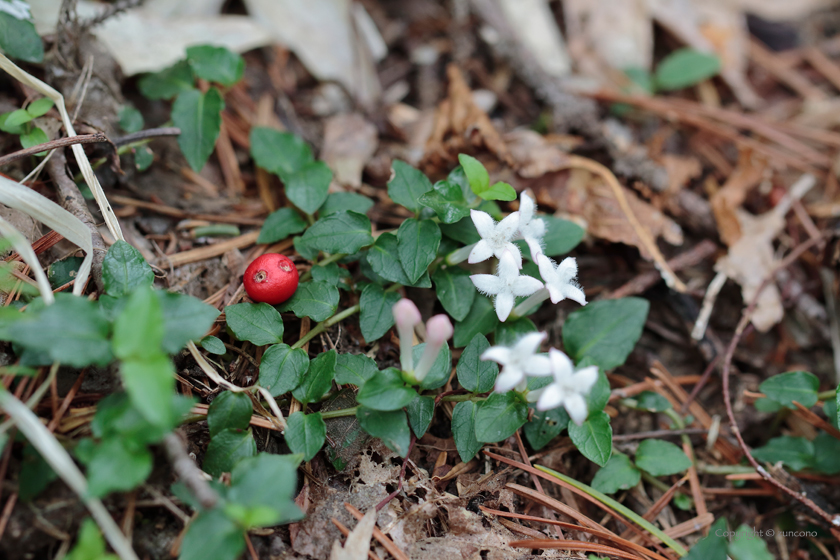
495 238
560 279
16 8
531 229
568 389
519 361
506 284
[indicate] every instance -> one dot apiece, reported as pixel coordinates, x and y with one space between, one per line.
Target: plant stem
724 469
827 395
339 413
462 398
526 306
459 255
327 260
324 325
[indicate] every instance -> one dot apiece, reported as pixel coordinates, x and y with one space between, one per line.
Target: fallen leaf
358 541
349 143
726 201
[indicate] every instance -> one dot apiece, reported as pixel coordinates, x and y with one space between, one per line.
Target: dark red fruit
271 278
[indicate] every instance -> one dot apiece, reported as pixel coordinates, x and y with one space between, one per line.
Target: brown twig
146 134
188 471
53 145
394 494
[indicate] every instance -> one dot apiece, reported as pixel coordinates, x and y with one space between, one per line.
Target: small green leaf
420 412
605 330
305 434
447 200
131 120
18 39
167 83
226 449
17 118
375 317
593 438
216 64
386 391
799 386
229 411
267 481
317 300
685 67
476 173
63 271
354 369
661 458
138 330
712 547
331 274
745 545
797 453
114 465
561 236
481 319
318 380
441 369
281 153
342 232
383 259
282 368
463 430
499 417
463 231
116 416
39 107
545 426
417 245
618 474
199 116
258 323
89 544
143 158
474 374
124 270
340 201
826 454
307 187
455 290
407 186
279 225
212 535
150 382
33 138
651 402
391 427
499 191
185 319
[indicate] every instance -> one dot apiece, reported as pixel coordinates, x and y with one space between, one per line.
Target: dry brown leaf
681 170
349 143
358 541
728 199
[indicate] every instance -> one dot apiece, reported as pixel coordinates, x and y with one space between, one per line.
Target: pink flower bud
406 317
438 331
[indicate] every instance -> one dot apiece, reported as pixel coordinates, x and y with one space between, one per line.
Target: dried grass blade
574 545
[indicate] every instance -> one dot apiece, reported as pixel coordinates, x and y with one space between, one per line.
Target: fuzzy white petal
555 293
552 397
537 366
487 283
568 269
507 269
534 245
480 252
561 365
514 252
508 379
504 305
573 293
484 223
585 379
527 206
546 266
525 286
508 226
529 343
498 354
576 407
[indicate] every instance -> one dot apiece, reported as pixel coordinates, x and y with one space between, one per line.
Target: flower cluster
568 387
438 331
559 280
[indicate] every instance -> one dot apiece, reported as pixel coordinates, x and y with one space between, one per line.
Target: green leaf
40 107
307 187
481 319
651 402
767 405
407 186
441 368
131 120
114 465
499 191
797 453
455 290
279 225
73 331
35 474
267 481
89 544
386 391
391 427
463 231
375 317
282 368
420 412
185 318
745 545
417 245
150 382
342 232
63 271
116 416
354 369
499 417
167 83
212 535
463 430
138 330
17 118
340 201
685 67
18 39
258 323
124 270
216 64
476 173
474 374
281 153
599 395
712 547
229 411
618 474
143 158
545 426
214 345
826 454
199 116
509 332
606 330
561 236
331 274
447 200
226 449
593 438
33 138
383 259
317 300
661 458
318 380
799 386
305 434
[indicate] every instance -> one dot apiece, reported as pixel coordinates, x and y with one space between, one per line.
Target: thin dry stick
522 453
54 144
833 520
188 471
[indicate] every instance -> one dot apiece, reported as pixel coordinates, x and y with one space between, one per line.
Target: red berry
271 278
